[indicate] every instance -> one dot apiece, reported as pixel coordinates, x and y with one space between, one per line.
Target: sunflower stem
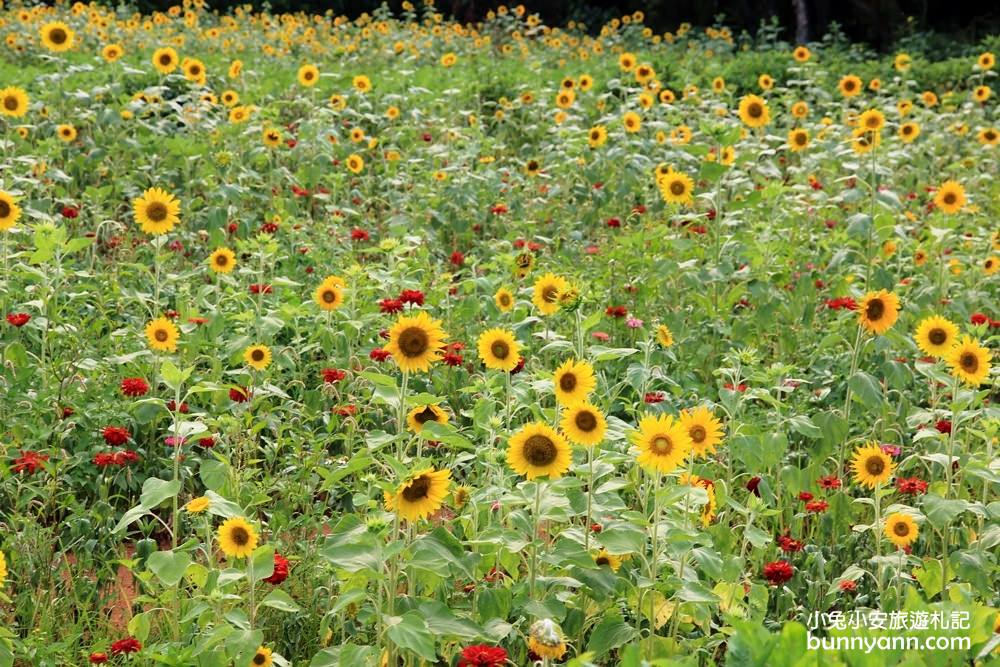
949 476
653 569
534 540
590 496
401 412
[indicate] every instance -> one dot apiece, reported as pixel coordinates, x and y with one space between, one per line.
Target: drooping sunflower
504 300
237 538
872 466
878 311
573 382
545 640
663 443
675 187
584 424
156 211
909 131
57 36
850 86
950 197
328 296
936 335
546 293
223 260
13 102
262 658
420 415
602 557
901 529
162 335
798 140
165 60
257 357
308 75
499 350
708 511
754 112
538 450
420 495
664 336
969 361
703 428
415 342
597 136
10 212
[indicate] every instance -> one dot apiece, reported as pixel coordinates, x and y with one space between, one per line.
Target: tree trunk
801 22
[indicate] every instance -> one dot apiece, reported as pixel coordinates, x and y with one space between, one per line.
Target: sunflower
156 211
10 212
573 382
849 86
929 98
112 52
800 110
420 415
920 257
950 197
538 450
546 641
969 361
197 505
261 658
66 133
308 75
223 260
415 342
230 98
597 136
57 36
13 102
991 265
532 167
504 300
602 557
872 466
632 122
753 111
546 293
664 336
708 511
901 529
703 429
239 114
982 93
878 311
936 335
988 136
194 70
584 424
872 120
681 135
361 83
420 495
237 538
909 131
902 62
162 335
801 54
355 163
271 137
328 296
499 350
986 60
257 356
798 140
675 187
565 99
165 60
663 443
864 141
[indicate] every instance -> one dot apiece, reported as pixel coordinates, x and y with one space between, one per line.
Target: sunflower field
390 340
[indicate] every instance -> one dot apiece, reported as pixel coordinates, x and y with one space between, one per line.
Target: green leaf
930 576
168 566
280 600
601 353
609 634
410 633
173 376
866 389
155 491
262 562
623 539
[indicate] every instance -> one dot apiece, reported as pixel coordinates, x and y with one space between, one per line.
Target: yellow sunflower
162 335
872 466
257 356
415 342
194 70
165 60
798 140
872 120
664 336
597 136
801 54
987 136
262 658
361 83
57 36
573 382
308 75
546 293
986 60
499 350
584 424
675 187
602 557
66 133
901 529
156 211
13 102
936 335
3 568
230 98
420 415
271 137
112 52
703 429
355 163
991 265
223 260
950 197
197 505
538 450
10 212
850 86
909 131
237 538
969 361
753 111
708 511
800 110
878 311
663 443
328 296
420 495
632 122
504 300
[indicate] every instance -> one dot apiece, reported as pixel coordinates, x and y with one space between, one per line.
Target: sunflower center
240 536
426 415
567 382
800 139
901 529
57 36
10 103
586 421
257 355
907 129
848 85
417 490
504 300
329 296
532 166
874 466
755 110
949 198
4 209
595 135
195 70
259 659
413 342
540 451
166 59
550 294
937 336
662 444
161 335
677 188
156 211
697 433
500 349
969 362
602 560
990 135
221 260
875 310
308 76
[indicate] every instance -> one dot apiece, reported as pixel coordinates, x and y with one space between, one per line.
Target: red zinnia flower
412 296
520 366
453 359
848 586
358 234
653 397
280 570
257 288
239 394
616 311
98 658
457 258
481 655
805 496
390 305
978 318
70 212
778 572
943 426
829 482
752 486
614 223
172 407
134 387
817 506
331 375
115 435
207 442
911 486
29 462
789 544
378 354
18 319
127 645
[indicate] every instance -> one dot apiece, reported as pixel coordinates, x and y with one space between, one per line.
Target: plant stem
534 539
